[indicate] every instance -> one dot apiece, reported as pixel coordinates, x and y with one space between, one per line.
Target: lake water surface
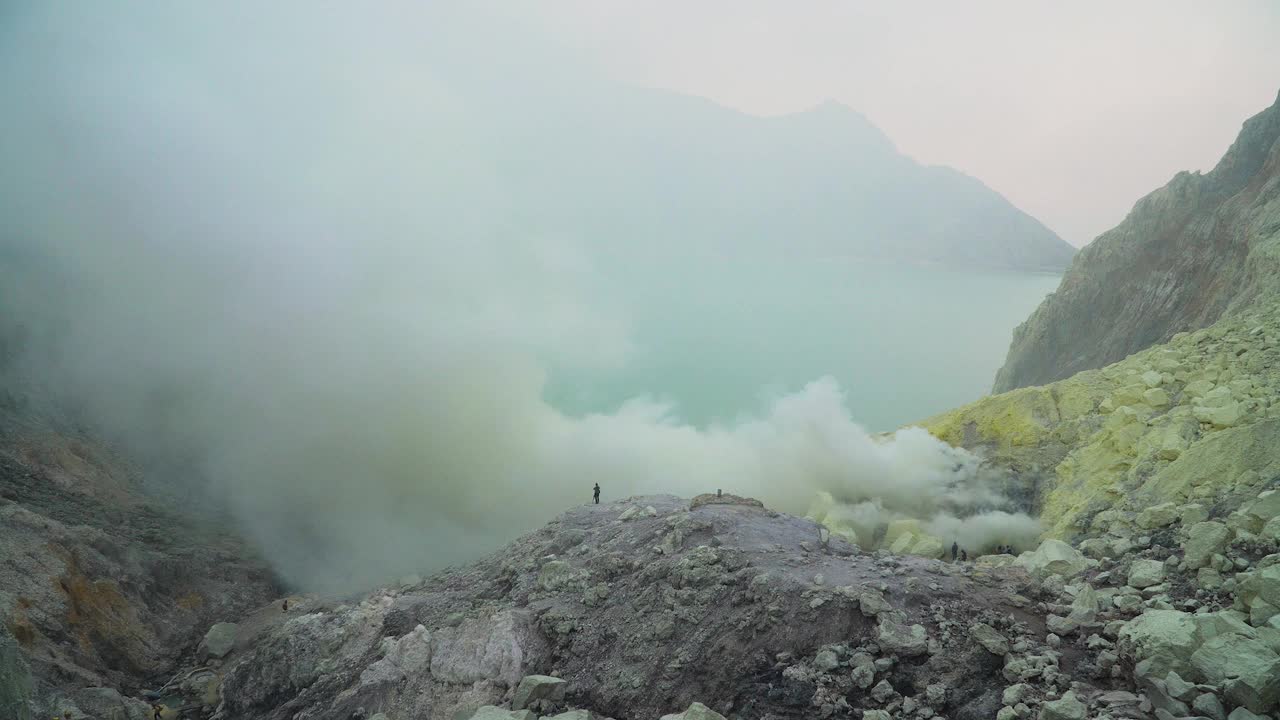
903 341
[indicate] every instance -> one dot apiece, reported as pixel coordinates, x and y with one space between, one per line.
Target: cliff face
1188 253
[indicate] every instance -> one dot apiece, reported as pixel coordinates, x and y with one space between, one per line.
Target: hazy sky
1071 110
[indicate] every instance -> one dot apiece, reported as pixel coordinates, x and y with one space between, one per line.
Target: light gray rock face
496 648
1245 668
696 711
1184 264
535 688
990 639
1067 707
1204 540
900 639
1053 557
220 640
1145 573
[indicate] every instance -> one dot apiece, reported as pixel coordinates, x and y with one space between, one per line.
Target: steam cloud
286 285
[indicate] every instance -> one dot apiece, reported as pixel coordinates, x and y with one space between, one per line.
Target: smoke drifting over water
266 287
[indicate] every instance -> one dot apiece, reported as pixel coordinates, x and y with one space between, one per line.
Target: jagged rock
1223 416
1061 625
1208 705
1068 707
220 640
1204 540
1266 507
1015 694
1145 573
1178 688
496 648
1053 557
883 692
876 715
696 711
1241 713
1261 585
901 639
826 660
872 603
1164 638
1085 606
534 688
864 676
1006 713
990 639
1192 513
1158 516
1247 670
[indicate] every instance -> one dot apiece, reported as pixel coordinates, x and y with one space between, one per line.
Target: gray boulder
534 688
990 639
1208 705
1053 557
1067 707
220 640
898 639
1204 540
1145 573
1164 638
696 711
1245 668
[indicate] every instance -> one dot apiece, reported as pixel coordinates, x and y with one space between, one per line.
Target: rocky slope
652 605
1187 254
1193 422
102 591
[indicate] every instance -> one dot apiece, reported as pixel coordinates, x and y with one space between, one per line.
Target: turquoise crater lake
903 341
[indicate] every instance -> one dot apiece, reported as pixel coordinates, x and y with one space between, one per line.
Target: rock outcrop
1189 253
100 587
1099 463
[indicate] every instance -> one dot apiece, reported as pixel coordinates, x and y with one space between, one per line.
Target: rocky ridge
1201 247
640 608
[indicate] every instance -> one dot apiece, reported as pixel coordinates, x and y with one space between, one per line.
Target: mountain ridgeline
665 175
1200 247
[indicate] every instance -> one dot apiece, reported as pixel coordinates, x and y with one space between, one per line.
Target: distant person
955 550
284 605
595 494
964 556
717 492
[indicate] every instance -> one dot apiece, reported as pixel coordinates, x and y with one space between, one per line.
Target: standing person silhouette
595 494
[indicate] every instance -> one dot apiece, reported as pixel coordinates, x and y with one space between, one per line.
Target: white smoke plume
287 283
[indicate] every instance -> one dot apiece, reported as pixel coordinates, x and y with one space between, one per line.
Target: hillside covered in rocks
1187 254
719 607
